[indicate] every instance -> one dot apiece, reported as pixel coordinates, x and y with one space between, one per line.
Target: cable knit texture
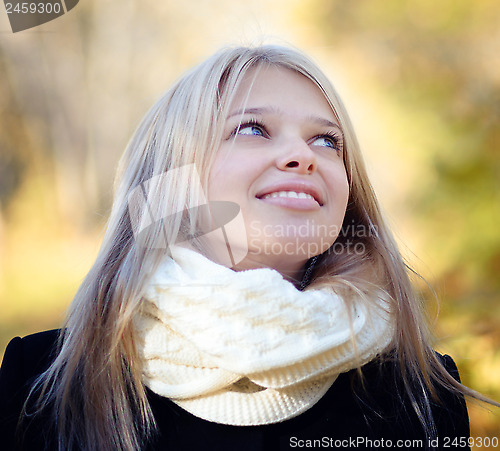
248 348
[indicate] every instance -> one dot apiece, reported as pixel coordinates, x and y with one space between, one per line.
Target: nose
298 157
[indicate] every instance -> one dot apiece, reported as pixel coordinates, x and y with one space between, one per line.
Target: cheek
233 173
221 178
344 191
338 186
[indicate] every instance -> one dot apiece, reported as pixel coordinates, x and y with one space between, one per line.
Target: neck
291 271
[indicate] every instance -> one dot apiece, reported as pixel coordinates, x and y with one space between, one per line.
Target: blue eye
325 142
331 141
250 129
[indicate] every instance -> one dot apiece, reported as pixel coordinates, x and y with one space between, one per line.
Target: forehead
276 87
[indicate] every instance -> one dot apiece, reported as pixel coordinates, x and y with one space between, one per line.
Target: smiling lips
291 199
299 197
291 194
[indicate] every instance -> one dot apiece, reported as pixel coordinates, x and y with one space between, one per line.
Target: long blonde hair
94 386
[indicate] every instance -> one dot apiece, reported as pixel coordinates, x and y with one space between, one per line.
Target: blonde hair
94 386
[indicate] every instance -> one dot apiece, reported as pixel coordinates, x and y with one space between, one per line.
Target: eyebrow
270 110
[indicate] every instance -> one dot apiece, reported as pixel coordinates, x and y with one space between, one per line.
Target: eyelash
250 123
335 137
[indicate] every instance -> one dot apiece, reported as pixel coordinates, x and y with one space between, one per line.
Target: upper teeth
292 194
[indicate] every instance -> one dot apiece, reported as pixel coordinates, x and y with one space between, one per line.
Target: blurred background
421 80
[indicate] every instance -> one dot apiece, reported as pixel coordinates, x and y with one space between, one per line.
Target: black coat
348 416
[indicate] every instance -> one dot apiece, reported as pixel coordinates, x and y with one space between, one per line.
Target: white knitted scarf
248 348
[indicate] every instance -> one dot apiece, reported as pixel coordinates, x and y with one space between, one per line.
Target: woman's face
281 161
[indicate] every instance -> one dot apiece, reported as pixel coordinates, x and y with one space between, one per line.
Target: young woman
248 294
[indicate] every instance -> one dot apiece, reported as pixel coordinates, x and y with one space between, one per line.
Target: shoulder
450 410
27 357
389 367
24 359
449 365
386 392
